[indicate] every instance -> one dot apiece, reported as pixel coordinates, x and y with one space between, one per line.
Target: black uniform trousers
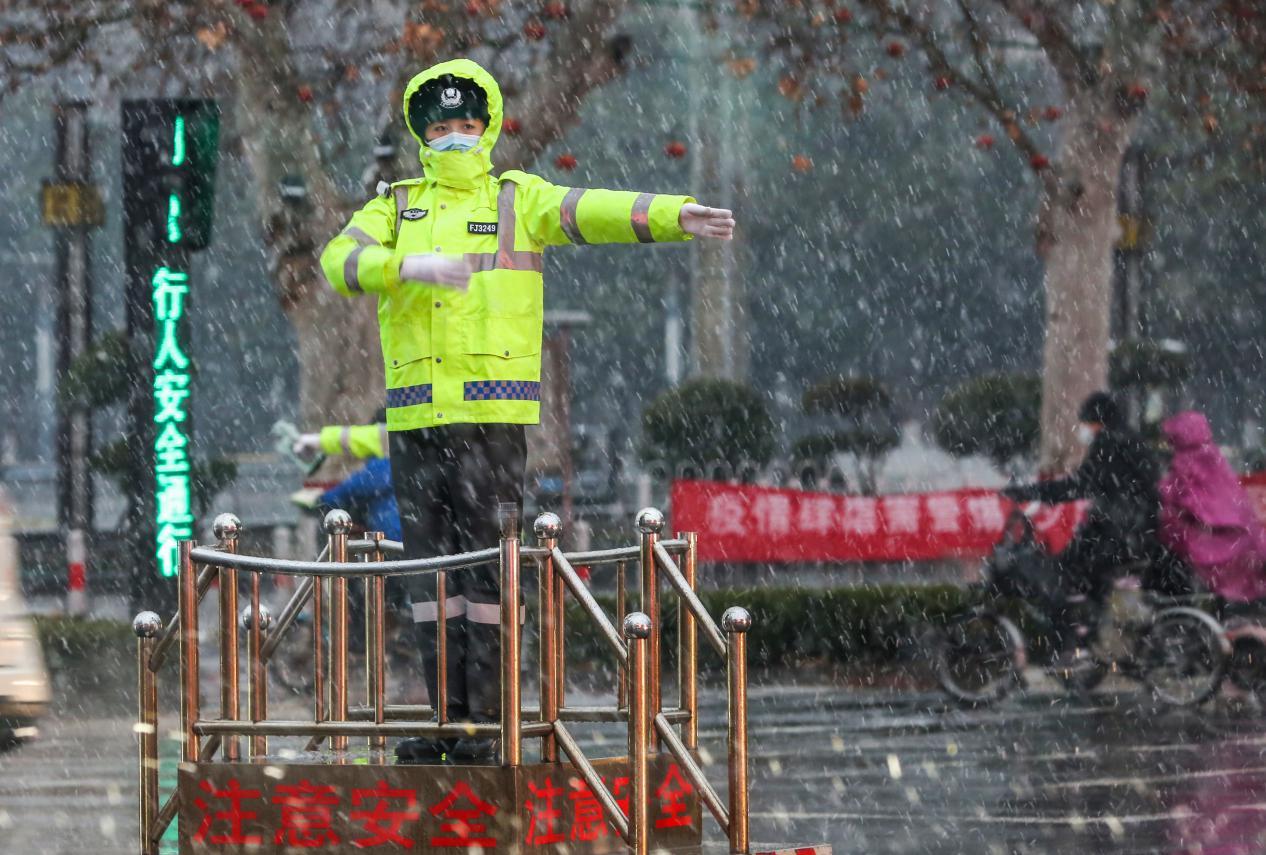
449 482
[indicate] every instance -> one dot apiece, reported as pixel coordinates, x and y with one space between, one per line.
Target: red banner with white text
743 523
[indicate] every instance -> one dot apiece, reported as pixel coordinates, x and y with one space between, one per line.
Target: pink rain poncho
1206 516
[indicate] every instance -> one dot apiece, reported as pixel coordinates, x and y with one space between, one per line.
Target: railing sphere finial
650 521
637 625
338 522
736 619
265 617
226 528
548 526
147 624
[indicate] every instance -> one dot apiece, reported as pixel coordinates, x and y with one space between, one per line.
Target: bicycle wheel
1183 656
291 665
978 658
1247 668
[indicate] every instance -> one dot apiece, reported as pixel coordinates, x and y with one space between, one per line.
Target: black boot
422 750
474 749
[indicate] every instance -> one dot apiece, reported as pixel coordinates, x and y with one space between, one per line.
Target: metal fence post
622 674
688 647
548 527
736 622
338 524
257 679
190 692
650 522
227 528
638 630
147 626
511 708
375 647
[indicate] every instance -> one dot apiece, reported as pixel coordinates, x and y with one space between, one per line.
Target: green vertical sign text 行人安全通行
173 506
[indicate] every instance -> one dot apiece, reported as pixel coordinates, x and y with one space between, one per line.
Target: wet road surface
869 772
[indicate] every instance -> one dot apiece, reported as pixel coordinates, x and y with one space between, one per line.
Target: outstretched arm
557 216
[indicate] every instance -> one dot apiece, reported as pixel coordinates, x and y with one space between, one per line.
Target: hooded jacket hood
463 169
1187 431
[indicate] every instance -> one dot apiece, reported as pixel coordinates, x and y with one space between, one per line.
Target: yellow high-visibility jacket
359 441
475 356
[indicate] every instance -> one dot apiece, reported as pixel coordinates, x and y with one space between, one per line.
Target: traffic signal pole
71 205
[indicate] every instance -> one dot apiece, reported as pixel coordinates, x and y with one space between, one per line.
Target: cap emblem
450 98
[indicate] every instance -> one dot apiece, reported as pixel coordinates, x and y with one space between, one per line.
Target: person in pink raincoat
1207 518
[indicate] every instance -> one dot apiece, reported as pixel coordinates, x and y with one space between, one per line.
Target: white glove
307 446
436 270
706 222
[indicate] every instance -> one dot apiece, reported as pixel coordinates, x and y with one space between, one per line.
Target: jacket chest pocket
415 235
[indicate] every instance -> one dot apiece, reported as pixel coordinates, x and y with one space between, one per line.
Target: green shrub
997 415
702 421
854 416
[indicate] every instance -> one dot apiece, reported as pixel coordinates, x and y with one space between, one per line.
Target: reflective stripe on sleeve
429 612
361 237
345 439
402 202
641 217
351 272
567 216
384 441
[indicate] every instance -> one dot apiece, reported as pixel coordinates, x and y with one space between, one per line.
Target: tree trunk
1078 230
340 362
719 330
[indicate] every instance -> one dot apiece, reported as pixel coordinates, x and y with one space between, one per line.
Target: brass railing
323 585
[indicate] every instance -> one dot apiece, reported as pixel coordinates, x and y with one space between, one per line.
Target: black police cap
446 97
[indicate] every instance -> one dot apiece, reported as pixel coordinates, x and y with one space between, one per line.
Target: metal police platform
339 797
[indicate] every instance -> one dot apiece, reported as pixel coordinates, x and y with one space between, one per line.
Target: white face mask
454 142
1086 434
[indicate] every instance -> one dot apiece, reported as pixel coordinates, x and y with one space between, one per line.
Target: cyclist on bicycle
1118 476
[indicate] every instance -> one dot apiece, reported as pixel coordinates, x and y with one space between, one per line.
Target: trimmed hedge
875 624
89 655
872 625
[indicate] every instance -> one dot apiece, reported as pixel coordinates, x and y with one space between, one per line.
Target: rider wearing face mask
1118 476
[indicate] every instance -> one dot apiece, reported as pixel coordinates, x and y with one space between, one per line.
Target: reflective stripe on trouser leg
428 612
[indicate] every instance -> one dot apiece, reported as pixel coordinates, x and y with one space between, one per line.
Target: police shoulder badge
450 98
414 213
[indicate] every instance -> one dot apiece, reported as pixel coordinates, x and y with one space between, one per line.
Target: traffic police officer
455 259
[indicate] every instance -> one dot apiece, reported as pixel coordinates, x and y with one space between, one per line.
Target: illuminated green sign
169 289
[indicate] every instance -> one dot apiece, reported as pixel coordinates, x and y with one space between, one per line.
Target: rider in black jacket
1118 476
